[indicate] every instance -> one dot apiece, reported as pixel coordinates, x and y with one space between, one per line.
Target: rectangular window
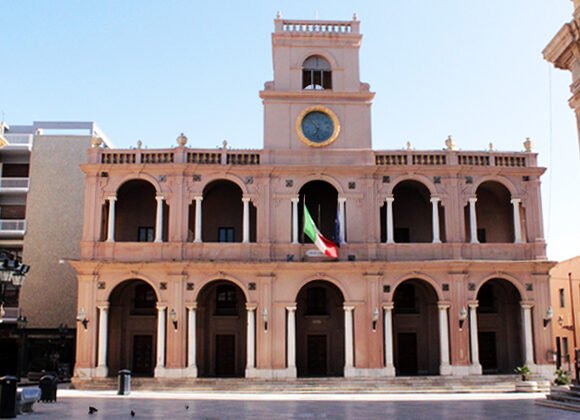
146 234
565 349
226 234
144 300
562 298
226 300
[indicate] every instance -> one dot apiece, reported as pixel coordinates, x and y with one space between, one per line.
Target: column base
159 372
101 372
545 371
353 372
475 369
190 372
170 373
445 370
461 370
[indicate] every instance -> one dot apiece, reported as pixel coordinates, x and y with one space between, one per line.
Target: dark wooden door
407 354
225 355
142 355
487 351
316 355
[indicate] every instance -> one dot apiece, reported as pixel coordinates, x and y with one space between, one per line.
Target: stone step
559 404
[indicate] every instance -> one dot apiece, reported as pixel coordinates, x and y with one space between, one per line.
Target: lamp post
12 272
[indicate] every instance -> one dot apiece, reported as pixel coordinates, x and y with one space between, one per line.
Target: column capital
435 199
389 198
291 308
161 306
160 197
516 200
191 306
348 308
198 198
443 305
251 306
342 199
388 306
246 199
526 305
295 199
103 306
111 198
472 199
473 304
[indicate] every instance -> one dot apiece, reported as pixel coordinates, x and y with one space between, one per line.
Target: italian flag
325 246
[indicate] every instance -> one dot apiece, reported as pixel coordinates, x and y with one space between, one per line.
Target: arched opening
316 73
412 214
135 213
321 200
221 330
495 220
416 329
222 213
319 330
132 325
499 327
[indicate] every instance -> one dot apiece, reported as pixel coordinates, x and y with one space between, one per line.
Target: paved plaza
221 406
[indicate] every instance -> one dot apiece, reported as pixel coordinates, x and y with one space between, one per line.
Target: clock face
317 126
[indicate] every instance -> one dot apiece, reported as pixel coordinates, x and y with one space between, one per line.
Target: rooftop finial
354 16
528 145
450 143
408 145
278 14
182 140
225 144
139 144
491 147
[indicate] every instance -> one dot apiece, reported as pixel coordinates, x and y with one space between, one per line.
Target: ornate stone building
193 261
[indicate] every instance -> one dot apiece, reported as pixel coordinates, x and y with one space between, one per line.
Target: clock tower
316 100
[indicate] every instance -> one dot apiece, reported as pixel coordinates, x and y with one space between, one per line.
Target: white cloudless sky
148 70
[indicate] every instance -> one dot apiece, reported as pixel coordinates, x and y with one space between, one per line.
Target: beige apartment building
193 262
41 208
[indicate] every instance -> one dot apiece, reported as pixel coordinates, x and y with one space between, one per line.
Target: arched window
316 73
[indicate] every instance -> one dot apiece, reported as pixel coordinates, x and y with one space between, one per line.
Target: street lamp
12 272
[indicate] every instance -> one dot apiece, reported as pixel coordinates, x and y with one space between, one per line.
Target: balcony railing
12 227
14 184
18 140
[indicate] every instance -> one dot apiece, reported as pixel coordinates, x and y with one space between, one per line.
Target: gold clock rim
328 112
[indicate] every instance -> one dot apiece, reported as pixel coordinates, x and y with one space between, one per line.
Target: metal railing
19 183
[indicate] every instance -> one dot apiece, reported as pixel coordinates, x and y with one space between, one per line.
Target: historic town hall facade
194 263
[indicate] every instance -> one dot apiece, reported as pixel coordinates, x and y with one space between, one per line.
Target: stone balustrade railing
338 27
260 157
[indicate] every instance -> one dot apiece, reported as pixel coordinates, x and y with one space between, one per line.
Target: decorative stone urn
182 140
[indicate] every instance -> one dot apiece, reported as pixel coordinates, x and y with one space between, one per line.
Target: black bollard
124 382
8 397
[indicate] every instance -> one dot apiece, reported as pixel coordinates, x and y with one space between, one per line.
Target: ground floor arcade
312 319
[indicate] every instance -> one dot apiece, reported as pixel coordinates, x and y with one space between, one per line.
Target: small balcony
17 142
12 228
14 185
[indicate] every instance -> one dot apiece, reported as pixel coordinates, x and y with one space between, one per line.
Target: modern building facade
41 207
193 262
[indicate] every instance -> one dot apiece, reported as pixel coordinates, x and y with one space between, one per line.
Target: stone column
160 367
390 230
388 330
475 365
348 340
102 370
191 342
159 219
528 338
445 368
294 219
341 212
111 227
517 223
473 220
291 341
251 339
197 234
246 220
435 217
